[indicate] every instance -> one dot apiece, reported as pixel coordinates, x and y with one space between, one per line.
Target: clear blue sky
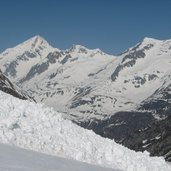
111 25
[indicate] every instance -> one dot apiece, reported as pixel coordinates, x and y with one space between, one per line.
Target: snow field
37 127
16 159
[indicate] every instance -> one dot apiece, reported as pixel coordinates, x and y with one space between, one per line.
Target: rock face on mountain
121 97
7 87
138 131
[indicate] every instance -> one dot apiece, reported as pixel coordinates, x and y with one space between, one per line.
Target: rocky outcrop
7 87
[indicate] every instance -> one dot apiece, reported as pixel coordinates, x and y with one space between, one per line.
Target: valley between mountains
125 97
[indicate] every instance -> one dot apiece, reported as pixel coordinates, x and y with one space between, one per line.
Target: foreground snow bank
34 126
16 159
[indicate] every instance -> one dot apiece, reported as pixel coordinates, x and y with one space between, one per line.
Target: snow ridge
34 126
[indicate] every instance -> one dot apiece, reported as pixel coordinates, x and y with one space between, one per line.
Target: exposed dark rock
116 72
74 59
152 77
159 106
156 139
52 75
148 128
141 80
130 59
7 87
53 57
82 50
36 69
92 74
65 59
120 125
80 92
11 67
138 131
27 55
134 55
40 68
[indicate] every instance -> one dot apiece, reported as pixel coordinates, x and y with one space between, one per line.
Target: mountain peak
37 41
77 47
33 44
82 49
38 38
150 40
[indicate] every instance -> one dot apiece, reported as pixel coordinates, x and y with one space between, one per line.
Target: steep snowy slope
16 159
15 62
34 126
7 87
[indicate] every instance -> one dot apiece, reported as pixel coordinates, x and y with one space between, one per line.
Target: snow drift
37 127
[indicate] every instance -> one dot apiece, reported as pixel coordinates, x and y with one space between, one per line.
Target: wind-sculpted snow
34 126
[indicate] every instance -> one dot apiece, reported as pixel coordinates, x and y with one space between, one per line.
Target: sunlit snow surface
15 159
34 126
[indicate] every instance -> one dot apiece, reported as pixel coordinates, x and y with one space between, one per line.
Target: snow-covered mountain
31 52
37 127
116 96
88 83
55 77
143 77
